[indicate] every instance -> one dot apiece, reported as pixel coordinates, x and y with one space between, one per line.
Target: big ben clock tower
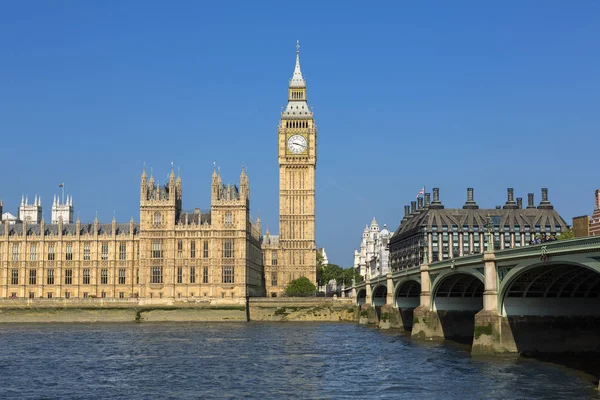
297 149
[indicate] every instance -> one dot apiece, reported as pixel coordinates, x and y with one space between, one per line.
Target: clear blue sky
448 94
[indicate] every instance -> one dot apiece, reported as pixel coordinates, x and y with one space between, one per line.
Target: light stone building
31 213
62 210
373 257
294 249
170 254
324 255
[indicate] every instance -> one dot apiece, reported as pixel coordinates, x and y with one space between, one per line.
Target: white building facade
62 210
373 257
32 213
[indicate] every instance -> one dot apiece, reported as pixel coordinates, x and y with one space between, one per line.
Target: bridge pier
492 332
368 314
390 315
426 323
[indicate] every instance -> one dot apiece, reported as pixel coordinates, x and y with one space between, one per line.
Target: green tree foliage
301 287
331 271
339 274
566 235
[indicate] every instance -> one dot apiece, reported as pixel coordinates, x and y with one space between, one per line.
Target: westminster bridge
541 298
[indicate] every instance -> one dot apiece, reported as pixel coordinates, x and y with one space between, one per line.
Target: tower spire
297 79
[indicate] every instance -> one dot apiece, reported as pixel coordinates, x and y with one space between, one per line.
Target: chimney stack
436 204
520 202
413 207
406 211
597 199
427 199
420 203
545 204
470 204
530 201
510 199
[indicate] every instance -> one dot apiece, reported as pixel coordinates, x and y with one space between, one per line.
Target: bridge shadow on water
458 326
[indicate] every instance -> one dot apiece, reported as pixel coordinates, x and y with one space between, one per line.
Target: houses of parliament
172 253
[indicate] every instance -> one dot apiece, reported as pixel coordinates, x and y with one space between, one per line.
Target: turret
244 186
216 184
96 226
144 184
30 212
59 210
160 206
178 181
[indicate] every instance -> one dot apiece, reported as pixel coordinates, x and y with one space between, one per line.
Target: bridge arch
361 297
379 295
458 291
558 287
407 293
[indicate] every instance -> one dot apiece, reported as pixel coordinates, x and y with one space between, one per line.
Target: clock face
297 144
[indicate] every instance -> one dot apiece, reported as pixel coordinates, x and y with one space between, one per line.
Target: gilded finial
297 46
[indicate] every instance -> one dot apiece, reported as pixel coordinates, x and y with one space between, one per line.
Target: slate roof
269 240
69 229
512 216
193 218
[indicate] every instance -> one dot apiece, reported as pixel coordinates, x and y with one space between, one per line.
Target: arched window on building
157 218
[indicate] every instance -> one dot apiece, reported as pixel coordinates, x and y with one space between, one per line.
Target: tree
351 273
332 271
301 287
566 235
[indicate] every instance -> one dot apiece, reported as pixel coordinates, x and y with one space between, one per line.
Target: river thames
262 361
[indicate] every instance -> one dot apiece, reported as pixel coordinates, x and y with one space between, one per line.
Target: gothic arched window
157 218
229 218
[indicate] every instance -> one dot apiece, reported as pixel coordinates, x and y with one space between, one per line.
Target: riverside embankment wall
145 310
302 309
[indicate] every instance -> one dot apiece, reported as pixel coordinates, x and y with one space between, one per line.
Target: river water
261 361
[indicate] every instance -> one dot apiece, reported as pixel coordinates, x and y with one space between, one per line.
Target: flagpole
63 193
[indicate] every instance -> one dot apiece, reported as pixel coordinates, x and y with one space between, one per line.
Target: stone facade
62 210
430 228
32 213
373 257
170 254
581 226
296 251
173 254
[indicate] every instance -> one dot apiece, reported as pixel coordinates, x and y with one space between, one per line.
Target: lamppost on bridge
424 250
